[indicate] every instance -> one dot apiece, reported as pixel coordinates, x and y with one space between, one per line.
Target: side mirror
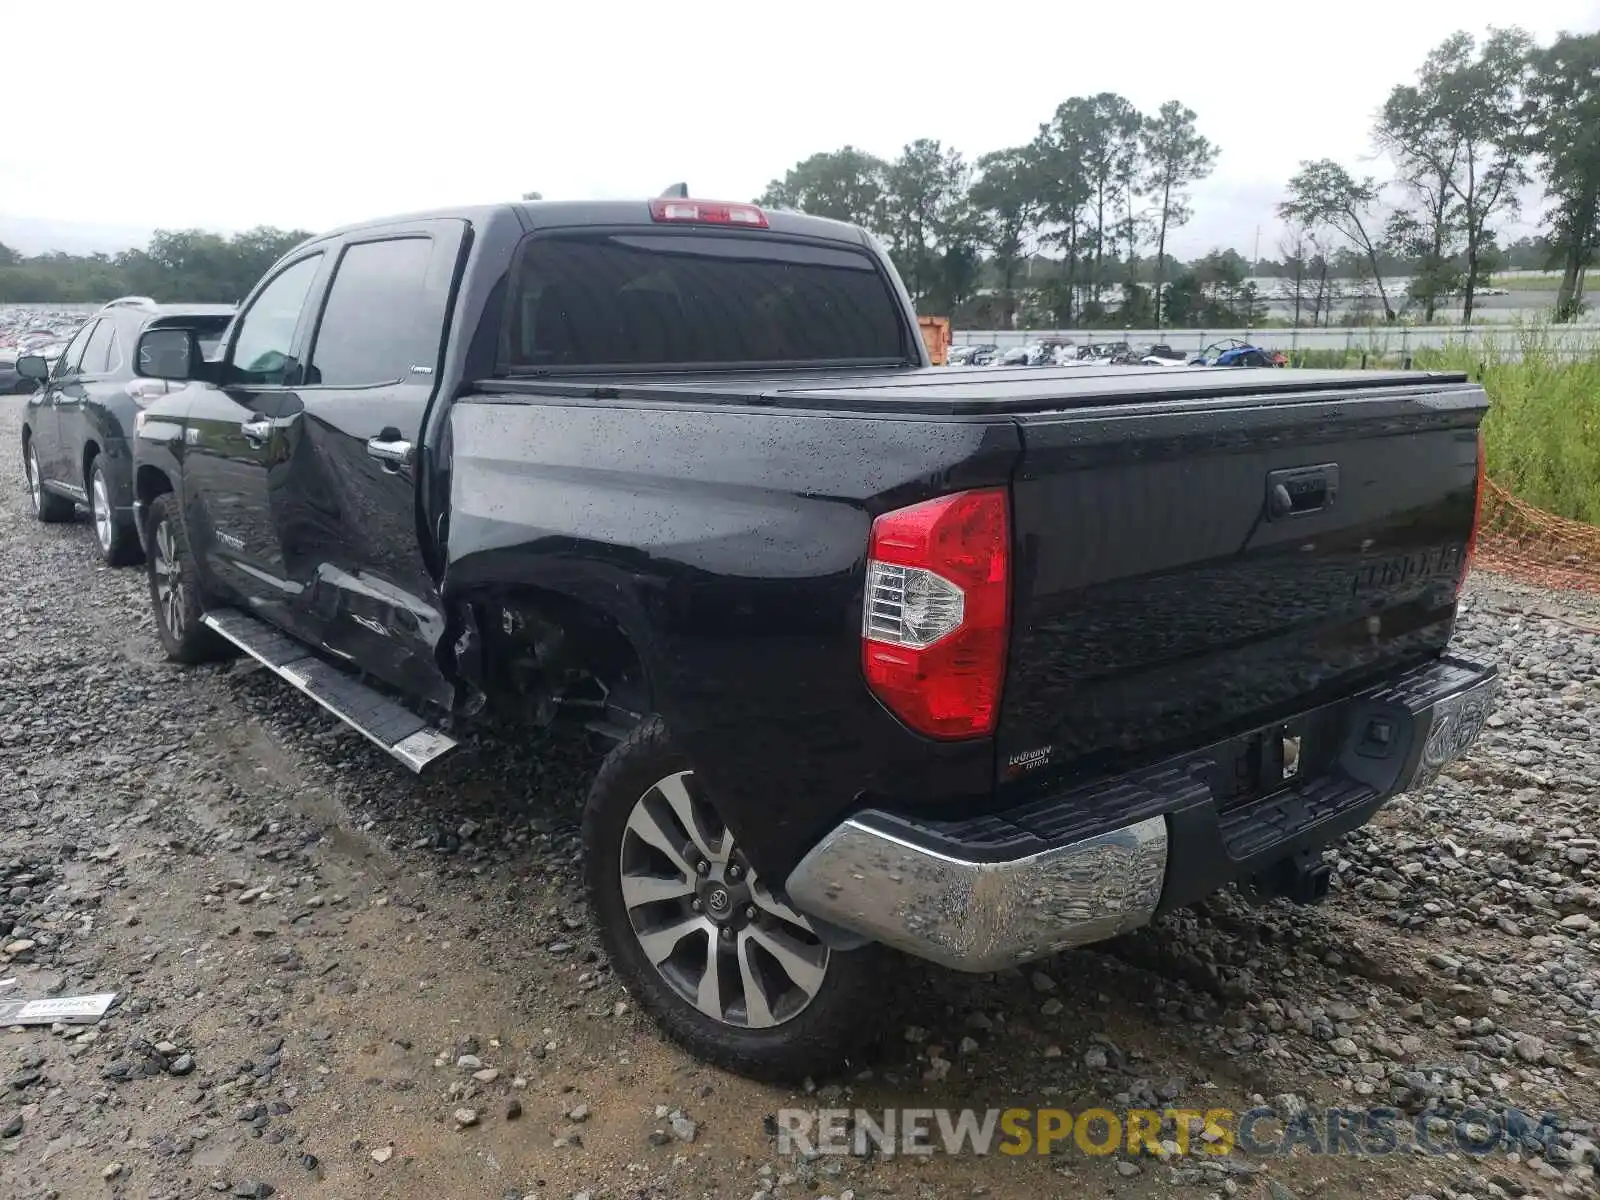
169 354
33 366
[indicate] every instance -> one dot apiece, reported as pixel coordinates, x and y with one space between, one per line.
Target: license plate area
1278 756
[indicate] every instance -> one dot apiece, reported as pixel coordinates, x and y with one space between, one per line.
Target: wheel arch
91 451
150 482
526 641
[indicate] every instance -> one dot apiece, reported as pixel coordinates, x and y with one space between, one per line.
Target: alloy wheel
35 483
713 931
169 579
100 507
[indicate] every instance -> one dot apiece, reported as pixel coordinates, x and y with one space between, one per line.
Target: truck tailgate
1195 568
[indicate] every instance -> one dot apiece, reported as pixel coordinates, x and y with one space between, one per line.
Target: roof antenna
678 191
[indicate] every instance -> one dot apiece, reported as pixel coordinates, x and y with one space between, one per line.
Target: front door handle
393 451
256 429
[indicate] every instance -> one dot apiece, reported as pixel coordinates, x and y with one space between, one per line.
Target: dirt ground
307 942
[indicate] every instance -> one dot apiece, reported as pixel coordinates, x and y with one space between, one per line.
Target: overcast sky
300 113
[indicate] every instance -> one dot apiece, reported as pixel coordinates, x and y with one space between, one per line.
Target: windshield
671 299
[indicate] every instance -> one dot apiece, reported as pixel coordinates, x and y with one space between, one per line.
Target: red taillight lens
708 212
934 621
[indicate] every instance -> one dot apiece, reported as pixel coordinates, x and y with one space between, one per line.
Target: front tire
726 968
47 506
115 535
175 593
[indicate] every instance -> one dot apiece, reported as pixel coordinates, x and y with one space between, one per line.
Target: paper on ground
69 1010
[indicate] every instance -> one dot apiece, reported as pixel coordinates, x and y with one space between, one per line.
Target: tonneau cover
960 391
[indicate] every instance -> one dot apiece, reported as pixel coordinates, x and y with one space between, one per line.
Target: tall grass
1542 434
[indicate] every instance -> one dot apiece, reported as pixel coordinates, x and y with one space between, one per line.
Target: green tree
1297 250
188 264
250 253
1425 238
1007 201
846 185
926 211
1322 194
1057 154
1103 133
1565 137
1184 301
1479 100
958 269
1417 130
1175 156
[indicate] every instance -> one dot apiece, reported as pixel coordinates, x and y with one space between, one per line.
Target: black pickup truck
976 665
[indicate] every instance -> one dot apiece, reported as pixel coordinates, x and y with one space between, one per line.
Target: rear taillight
708 212
934 621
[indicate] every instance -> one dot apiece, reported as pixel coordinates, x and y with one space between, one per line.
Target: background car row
1230 352
32 331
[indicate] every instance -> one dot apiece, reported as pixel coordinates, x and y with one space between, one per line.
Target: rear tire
175 593
47 506
675 904
114 534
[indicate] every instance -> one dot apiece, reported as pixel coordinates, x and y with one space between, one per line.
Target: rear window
679 299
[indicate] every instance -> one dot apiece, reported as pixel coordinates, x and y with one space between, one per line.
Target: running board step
369 712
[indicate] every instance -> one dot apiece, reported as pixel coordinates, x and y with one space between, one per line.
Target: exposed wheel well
91 451
150 483
527 646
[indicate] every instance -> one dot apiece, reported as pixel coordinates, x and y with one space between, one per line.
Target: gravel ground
338 980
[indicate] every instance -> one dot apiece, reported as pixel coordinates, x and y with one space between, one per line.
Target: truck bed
1157 599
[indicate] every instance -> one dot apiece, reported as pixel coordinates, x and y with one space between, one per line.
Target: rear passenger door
347 514
71 406
54 459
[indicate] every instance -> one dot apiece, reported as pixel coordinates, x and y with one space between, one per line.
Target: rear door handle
256 429
391 450
1298 491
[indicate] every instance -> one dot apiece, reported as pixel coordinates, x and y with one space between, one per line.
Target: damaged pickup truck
973 665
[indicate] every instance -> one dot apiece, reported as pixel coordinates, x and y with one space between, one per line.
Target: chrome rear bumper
981 916
967 912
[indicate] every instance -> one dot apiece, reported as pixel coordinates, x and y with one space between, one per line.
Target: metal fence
1375 340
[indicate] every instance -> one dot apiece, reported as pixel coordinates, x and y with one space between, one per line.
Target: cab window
263 346
67 364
